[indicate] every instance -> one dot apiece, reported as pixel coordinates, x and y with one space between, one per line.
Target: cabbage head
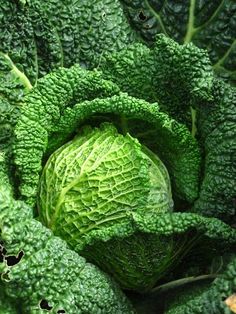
94 183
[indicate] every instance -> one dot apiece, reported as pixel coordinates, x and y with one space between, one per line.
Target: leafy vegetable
215 199
96 191
208 24
82 204
123 161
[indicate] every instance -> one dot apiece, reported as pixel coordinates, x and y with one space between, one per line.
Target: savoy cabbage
122 142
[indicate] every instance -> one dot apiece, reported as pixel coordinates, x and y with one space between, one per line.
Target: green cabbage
96 177
94 180
133 239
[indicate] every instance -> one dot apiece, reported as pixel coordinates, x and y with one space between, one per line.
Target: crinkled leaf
42 35
176 76
14 85
39 266
208 24
217 132
218 297
42 112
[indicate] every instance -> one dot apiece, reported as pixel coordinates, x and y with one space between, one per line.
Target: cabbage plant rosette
107 191
109 197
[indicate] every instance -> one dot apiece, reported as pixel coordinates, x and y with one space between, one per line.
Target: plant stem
180 282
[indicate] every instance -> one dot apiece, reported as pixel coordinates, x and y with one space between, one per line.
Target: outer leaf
87 29
43 109
217 128
42 35
209 300
173 75
45 269
13 87
184 302
208 24
21 32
